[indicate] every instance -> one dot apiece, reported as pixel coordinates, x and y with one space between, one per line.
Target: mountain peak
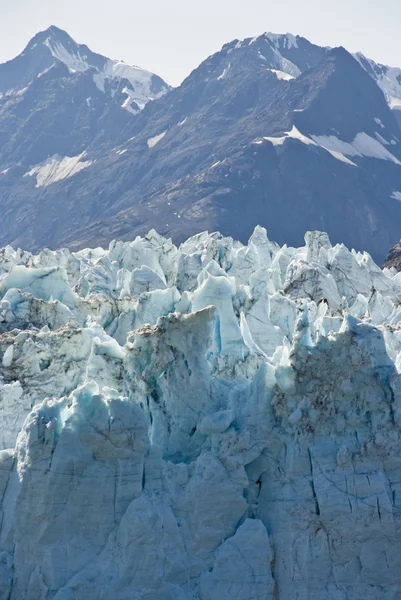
52 33
56 30
62 47
285 52
54 46
282 40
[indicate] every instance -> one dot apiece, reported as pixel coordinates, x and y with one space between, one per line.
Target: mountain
58 97
217 421
272 130
387 78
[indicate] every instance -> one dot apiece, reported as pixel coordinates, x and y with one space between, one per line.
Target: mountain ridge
186 160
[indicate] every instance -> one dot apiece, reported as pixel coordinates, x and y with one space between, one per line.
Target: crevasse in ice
209 422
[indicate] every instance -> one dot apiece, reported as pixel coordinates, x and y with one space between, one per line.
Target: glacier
204 422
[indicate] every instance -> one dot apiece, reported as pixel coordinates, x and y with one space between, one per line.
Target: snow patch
396 196
129 101
280 62
395 103
340 156
44 71
363 146
294 134
57 168
381 139
224 73
282 75
74 62
156 139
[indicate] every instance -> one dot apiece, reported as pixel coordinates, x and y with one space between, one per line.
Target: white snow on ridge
215 164
278 64
156 139
13 92
282 63
282 75
340 156
381 139
388 79
295 134
363 145
288 40
44 71
140 79
395 103
74 62
224 73
127 104
396 196
57 168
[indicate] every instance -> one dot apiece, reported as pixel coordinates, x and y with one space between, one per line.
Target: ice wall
209 422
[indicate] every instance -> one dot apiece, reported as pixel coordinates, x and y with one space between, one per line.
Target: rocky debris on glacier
209 422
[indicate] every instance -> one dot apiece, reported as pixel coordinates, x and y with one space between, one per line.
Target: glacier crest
203 422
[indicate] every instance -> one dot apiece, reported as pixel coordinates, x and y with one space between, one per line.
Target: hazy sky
171 37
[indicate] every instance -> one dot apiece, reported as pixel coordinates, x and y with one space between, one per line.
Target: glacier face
209 422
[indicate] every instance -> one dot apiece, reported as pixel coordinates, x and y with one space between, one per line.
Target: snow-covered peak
289 53
142 85
271 49
387 78
54 33
283 40
73 60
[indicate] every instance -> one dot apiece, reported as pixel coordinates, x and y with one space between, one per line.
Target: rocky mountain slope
393 258
207 422
271 130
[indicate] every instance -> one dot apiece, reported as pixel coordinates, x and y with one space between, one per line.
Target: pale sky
171 37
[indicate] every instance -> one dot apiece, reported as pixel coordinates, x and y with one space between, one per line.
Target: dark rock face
393 258
198 157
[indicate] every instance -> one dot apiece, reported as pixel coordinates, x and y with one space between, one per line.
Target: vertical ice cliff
209 422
